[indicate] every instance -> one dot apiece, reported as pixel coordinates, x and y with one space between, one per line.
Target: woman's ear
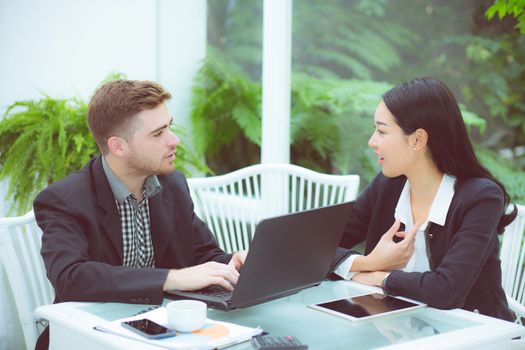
420 139
117 146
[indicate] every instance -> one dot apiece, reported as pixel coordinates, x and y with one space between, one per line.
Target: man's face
152 146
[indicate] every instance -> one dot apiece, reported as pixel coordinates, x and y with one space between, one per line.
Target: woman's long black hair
427 103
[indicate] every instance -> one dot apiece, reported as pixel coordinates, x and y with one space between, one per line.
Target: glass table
423 328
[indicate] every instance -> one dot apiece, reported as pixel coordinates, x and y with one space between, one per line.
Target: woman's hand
387 254
370 278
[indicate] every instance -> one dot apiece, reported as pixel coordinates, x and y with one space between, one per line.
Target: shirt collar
440 205
121 192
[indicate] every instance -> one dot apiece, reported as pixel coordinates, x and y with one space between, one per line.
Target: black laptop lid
289 253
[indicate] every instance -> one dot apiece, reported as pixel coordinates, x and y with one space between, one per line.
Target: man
123 229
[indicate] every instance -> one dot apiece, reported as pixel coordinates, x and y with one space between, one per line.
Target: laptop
287 254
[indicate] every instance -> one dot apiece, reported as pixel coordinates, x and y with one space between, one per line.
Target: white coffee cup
186 315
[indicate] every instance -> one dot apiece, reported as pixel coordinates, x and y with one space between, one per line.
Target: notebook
287 254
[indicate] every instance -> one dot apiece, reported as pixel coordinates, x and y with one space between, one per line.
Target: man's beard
137 165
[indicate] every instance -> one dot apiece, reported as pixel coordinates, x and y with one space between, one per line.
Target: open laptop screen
288 253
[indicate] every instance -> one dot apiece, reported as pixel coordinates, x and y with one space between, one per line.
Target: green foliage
225 102
41 142
187 160
515 8
374 41
235 27
512 177
495 86
226 116
331 119
471 119
363 40
481 61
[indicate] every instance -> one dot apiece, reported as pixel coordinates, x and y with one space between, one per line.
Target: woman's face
390 144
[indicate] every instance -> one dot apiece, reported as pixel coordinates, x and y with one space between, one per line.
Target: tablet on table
367 306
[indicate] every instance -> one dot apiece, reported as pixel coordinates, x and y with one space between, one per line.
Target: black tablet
365 307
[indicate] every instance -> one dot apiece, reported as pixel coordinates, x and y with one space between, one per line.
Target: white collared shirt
437 215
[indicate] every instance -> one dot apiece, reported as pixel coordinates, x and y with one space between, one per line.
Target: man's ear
117 146
420 139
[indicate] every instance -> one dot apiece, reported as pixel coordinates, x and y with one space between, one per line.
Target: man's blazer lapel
109 216
162 224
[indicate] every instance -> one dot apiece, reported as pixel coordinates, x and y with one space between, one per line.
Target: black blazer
465 268
82 239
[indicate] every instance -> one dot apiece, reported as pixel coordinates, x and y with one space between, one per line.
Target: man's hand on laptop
238 258
200 276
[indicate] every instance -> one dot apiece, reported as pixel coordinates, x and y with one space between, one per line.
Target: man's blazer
82 238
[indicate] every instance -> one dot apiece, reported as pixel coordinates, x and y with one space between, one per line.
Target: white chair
512 257
233 204
20 241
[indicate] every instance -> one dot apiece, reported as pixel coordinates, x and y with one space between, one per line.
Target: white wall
66 47
180 56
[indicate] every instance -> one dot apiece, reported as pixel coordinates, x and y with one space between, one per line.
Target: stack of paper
214 334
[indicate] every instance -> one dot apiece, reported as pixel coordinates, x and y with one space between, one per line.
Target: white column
276 78
181 48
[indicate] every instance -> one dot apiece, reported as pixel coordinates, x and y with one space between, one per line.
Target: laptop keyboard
216 291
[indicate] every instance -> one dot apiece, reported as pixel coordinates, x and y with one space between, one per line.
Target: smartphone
149 329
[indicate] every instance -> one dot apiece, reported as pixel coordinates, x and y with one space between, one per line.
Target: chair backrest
20 242
233 204
512 255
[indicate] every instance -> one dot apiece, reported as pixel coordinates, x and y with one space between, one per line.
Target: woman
451 207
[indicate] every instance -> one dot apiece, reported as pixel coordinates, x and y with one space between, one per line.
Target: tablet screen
365 306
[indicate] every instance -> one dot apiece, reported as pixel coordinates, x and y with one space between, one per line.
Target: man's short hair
114 104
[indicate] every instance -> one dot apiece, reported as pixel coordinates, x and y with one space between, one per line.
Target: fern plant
506 171
362 41
331 123
187 160
42 141
226 118
226 114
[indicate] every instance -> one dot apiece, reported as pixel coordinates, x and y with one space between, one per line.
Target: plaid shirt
136 239
137 246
